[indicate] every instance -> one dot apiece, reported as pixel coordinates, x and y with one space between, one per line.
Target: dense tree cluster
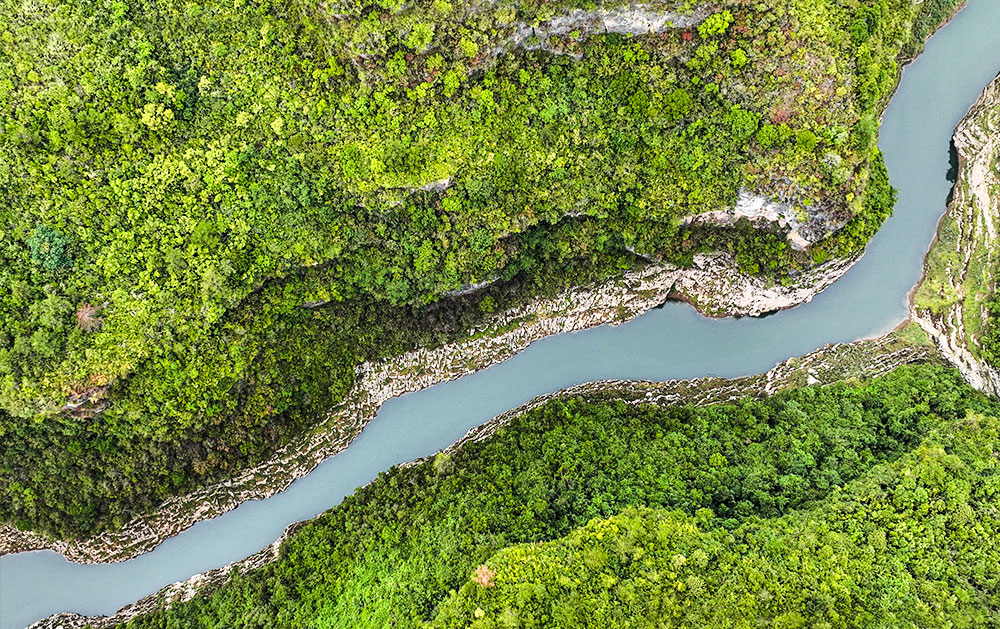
792 498
217 209
914 543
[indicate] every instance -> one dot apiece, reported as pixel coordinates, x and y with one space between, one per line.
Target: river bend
671 342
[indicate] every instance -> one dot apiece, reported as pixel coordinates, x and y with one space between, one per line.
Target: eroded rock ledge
635 20
712 284
831 364
760 209
960 272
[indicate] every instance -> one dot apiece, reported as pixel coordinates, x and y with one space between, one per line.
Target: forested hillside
215 210
913 544
775 511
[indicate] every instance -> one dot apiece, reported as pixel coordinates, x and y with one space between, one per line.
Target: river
670 342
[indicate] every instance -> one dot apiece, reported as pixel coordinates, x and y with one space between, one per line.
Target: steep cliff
956 299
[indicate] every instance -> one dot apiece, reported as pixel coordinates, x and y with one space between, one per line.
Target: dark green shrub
48 248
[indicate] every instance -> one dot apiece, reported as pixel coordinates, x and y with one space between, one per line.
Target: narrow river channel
671 342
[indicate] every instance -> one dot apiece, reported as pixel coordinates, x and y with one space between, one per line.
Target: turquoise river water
670 342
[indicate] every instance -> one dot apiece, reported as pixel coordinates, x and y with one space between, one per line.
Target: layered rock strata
960 272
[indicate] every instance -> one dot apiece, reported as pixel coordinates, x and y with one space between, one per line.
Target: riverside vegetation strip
208 233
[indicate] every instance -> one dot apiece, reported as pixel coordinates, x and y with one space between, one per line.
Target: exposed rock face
824 366
759 209
716 288
175 592
961 268
713 284
637 20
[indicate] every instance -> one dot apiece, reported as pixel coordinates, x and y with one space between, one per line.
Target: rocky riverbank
961 268
831 364
179 591
713 284
827 365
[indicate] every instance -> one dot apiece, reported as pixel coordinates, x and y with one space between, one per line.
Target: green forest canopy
213 206
872 503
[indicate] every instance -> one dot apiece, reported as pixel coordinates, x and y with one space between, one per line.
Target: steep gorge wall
713 284
960 273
